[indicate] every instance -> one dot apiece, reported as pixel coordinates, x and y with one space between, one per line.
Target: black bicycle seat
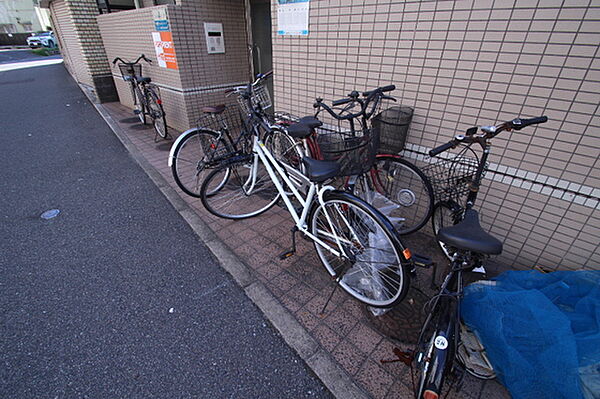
299 130
319 171
141 79
468 235
311 121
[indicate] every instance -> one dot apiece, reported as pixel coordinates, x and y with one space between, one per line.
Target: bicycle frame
277 172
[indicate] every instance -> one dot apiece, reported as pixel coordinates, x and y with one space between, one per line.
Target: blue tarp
541 331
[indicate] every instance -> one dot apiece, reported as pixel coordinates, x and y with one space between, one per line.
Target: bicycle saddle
319 171
468 235
311 121
299 130
141 79
217 109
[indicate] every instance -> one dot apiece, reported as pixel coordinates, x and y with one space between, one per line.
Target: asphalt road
115 297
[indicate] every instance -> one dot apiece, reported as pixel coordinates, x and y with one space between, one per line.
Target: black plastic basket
354 151
451 178
128 71
393 124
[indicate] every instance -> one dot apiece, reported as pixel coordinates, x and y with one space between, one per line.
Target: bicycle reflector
159 101
430 395
407 254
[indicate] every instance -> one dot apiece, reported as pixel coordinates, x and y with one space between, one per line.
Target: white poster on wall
292 17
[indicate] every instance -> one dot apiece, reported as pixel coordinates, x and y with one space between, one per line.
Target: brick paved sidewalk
357 340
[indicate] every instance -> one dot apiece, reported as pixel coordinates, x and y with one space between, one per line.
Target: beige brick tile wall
202 77
465 63
79 39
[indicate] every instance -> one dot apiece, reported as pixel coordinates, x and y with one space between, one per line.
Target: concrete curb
296 336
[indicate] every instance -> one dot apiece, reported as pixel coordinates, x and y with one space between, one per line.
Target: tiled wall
80 43
202 77
477 62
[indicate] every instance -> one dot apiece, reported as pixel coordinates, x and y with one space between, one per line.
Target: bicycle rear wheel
284 148
157 113
401 192
193 156
140 104
372 268
239 190
435 350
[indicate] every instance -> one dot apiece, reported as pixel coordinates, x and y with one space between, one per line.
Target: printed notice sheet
292 17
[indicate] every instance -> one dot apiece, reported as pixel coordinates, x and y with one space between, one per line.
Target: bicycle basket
354 151
260 96
393 128
451 178
130 70
229 124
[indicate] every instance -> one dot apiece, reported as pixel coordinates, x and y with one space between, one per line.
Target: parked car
45 39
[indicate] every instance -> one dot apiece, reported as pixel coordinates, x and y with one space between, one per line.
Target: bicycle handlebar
380 90
141 57
489 132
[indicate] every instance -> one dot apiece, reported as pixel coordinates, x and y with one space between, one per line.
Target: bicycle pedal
422 261
287 254
137 111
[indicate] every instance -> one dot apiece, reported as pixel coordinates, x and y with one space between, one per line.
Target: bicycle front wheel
370 267
239 190
401 192
157 113
193 156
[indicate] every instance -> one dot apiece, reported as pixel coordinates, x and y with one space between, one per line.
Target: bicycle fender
179 140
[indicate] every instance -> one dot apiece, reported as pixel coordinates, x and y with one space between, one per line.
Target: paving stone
355 338
375 380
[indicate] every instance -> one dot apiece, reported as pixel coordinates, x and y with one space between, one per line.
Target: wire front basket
230 137
451 178
260 96
354 151
128 71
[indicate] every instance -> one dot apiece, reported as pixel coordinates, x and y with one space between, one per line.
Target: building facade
458 63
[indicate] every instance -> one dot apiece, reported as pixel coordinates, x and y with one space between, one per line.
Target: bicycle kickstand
292 251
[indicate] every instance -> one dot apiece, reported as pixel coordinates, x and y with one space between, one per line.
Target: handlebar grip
442 148
341 101
115 60
380 90
519 124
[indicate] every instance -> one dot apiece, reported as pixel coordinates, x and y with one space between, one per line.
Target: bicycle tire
435 351
445 213
284 148
409 190
190 158
374 272
229 192
140 104
157 113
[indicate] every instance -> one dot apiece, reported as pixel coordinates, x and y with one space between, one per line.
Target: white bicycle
357 245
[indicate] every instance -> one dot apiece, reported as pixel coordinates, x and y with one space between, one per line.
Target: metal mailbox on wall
214 37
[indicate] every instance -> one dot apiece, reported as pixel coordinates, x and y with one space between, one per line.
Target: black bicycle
468 245
221 131
145 95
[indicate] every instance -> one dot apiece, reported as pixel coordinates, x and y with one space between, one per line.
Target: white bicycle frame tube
270 162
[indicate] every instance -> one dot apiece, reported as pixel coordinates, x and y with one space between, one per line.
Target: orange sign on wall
165 50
